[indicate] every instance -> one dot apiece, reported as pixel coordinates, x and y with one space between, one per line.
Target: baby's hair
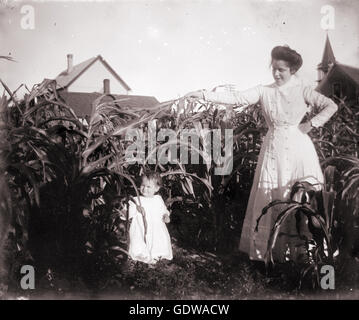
152 176
285 53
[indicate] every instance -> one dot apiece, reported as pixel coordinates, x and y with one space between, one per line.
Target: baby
149 237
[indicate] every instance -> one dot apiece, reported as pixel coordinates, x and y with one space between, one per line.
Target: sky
170 47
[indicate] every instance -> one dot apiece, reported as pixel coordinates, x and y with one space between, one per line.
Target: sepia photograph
167 150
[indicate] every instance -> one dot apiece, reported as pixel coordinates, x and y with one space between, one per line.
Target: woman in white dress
149 237
287 153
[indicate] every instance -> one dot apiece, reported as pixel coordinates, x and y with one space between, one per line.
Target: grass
194 275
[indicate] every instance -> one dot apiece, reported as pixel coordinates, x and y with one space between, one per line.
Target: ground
196 275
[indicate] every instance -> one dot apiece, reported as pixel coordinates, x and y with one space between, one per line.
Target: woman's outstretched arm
240 98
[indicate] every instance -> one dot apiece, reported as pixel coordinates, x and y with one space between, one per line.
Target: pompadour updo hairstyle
285 53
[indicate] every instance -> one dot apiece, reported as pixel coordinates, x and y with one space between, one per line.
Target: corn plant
5 203
348 166
64 178
205 202
57 172
340 134
327 236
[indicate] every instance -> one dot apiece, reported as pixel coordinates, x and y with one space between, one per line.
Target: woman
287 154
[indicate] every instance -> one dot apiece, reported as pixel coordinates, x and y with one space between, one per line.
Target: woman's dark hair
152 176
292 57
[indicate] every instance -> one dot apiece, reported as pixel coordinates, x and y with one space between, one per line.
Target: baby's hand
166 218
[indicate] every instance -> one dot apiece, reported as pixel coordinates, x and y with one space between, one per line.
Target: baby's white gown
158 241
286 156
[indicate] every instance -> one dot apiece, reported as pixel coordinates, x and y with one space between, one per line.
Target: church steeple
328 60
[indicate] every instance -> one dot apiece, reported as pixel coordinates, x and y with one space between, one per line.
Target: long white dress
158 241
286 156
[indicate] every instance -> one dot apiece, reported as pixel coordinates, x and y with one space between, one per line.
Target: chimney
106 86
69 62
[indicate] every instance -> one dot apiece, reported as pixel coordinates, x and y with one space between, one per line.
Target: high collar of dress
292 82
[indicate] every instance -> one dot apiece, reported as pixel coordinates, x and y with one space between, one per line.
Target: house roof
328 56
65 79
81 102
349 71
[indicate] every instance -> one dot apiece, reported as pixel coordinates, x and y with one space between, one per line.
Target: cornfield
65 185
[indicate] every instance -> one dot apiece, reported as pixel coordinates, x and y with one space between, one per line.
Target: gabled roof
328 56
81 102
351 72
65 79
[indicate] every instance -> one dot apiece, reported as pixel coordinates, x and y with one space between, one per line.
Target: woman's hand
166 218
305 127
199 94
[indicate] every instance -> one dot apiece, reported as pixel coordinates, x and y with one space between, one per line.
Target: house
79 85
337 80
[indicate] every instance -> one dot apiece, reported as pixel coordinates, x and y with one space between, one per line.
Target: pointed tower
328 60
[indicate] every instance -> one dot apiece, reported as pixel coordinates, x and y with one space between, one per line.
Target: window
337 89
320 74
